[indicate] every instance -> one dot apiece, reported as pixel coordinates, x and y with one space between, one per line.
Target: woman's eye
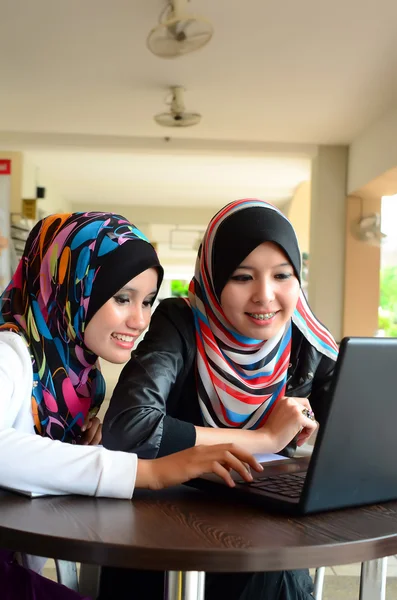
283 276
241 277
147 303
121 299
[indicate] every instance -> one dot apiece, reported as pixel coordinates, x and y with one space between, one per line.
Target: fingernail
260 467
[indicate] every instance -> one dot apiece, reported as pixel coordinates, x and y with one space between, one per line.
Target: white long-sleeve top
31 463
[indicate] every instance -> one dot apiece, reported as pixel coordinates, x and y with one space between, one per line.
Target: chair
86 582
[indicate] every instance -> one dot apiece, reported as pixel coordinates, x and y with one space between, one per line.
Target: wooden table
186 533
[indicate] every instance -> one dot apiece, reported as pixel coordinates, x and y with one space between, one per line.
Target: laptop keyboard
288 484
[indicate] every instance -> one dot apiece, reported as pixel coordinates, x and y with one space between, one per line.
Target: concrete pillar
298 212
327 236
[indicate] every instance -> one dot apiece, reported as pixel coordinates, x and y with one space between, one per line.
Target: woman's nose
264 292
136 318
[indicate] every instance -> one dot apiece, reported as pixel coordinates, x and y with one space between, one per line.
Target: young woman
83 289
236 363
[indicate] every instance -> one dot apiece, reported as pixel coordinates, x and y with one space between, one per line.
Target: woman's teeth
262 316
123 338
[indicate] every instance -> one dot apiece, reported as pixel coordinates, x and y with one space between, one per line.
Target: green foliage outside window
388 301
179 287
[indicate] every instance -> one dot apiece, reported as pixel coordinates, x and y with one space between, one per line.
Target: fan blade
165 46
192 43
197 37
188 29
193 26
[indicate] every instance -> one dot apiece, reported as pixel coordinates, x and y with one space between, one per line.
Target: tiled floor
341 582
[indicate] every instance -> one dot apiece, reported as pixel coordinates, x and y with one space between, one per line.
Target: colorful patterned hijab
72 264
239 379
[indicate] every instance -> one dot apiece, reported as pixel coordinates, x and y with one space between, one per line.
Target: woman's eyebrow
284 264
128 288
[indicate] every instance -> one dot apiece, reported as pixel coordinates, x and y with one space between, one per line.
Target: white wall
373 152
33 177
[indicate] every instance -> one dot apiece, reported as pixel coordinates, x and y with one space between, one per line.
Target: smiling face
261 294
112 331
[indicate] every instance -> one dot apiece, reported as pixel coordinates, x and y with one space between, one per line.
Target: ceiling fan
177 116
368 229
178 31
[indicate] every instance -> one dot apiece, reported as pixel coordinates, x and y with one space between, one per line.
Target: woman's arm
284 423
31 463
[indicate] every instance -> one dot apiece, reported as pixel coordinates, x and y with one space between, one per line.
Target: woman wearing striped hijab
234 362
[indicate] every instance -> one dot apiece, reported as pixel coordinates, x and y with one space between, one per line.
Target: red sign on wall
5 166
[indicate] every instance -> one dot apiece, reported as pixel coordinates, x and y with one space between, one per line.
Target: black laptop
354 461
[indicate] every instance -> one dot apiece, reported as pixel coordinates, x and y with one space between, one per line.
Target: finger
220 470
312 428
231 461
307 432
300 442
93 423
243 456
302 438
309 424
97 437
90 434
87 424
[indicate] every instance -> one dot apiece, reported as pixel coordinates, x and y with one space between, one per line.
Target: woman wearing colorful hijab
82 290
237 363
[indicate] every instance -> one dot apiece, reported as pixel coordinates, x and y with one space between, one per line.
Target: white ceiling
303 72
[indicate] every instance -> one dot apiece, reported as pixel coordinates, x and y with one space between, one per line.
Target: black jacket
154 406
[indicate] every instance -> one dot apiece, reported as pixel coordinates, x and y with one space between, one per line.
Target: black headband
239 234
122 265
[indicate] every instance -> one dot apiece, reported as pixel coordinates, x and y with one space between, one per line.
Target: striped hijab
72 264
239 379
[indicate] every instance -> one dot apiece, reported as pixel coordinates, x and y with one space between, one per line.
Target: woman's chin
117 357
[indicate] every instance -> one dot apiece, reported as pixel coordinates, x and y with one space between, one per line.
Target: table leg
319 583
184 585
373 579
67 574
